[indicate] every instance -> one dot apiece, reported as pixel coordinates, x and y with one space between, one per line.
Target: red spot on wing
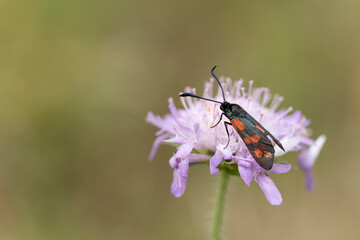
247 140
262 130
258 153
255 138
237 124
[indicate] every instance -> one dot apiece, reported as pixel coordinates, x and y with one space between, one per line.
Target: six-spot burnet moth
251 131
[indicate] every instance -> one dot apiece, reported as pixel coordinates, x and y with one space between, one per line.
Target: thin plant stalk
219 206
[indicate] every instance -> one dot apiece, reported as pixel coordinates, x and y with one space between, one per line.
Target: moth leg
218 121
227 131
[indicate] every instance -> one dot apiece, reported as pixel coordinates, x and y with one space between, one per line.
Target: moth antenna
212 73
195 96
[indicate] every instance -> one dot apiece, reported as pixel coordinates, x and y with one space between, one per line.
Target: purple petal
306 122
226 153
296 116
172 108
150 118
156 145
309 180
173 163
197 157
177 139
308 157
244 163
178 184
289 144
184 150
197 130
269 188
246 173
307 141
155 120
279 168
179 178
160 132
183 168
214 162
307 160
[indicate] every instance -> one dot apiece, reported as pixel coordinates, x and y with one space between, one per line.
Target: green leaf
229 168
171 144
204 163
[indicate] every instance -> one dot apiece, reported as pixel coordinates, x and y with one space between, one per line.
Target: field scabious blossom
189 129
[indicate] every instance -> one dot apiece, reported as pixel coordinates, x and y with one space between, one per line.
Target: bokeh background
77 79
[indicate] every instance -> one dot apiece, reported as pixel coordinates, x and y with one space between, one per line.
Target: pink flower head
189 128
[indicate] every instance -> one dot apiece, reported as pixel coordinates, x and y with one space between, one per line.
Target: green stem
219 206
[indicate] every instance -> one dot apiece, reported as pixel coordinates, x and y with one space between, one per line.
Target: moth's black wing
258 144
262 129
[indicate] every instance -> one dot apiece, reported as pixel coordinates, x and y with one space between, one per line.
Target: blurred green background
78 77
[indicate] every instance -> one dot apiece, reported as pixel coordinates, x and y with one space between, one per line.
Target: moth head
225 106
